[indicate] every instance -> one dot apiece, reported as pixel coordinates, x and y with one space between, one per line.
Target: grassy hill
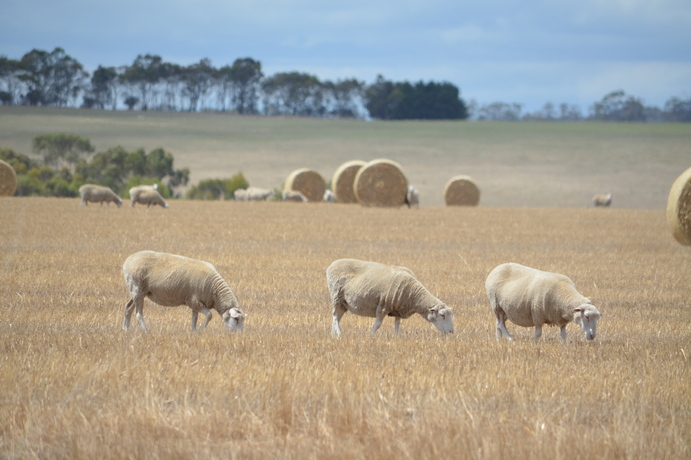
515 164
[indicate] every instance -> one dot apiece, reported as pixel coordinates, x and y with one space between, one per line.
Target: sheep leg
335 325
139 307
205 311
538 333
563 333
128 314
501 325
397 324
195 313
377 323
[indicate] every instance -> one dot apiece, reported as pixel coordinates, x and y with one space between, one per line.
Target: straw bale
343 180
308 182
461 191
679 208
8 179
381 183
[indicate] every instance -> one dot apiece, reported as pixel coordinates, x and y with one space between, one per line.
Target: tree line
42 78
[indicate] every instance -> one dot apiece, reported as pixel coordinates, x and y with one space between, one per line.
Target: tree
346 97
61 147
143 76
10 83
423 101
197 80
617 106
678 110
293 93
51 78
103 90
245 75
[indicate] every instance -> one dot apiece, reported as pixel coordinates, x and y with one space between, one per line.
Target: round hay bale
461 191
381 183
308 182
679 208
8 179
343 180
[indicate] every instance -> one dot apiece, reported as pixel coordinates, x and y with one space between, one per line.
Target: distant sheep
148 196
602 200
98 194
292 195
412 198
329 196
253 194
530 297
171 280
376 290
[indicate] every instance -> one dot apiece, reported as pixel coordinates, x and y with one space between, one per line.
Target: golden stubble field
74 385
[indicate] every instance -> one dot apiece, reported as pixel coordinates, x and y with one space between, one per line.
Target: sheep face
586 316
442 317
234 319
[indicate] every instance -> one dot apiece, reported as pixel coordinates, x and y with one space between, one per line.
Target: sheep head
442 317
234 319
586 316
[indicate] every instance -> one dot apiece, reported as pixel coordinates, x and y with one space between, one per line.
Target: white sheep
145 194
171 280
602 200
294 195
376 290
240 194
259 194
98 194
329 196
529 297
412 198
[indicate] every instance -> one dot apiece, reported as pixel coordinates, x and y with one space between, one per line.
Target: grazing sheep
412 198
240 194
259 194
530 297
293 195
329 196
148 196
98 194
377 290
171 280
602 200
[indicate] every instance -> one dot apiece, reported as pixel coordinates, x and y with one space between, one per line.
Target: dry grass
74 385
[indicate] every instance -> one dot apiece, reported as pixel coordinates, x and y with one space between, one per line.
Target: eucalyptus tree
293 93
53 78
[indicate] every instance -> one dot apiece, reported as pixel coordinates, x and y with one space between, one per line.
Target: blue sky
530 52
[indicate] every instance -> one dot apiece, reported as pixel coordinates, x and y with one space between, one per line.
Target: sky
516 51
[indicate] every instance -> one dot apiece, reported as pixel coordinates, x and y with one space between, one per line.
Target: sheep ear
234 313
577 309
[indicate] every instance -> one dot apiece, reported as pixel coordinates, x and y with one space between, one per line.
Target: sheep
293 195
240 194
172 280
329 196
259 194
98 194
376 290
530 297
148 196
412 198
602 200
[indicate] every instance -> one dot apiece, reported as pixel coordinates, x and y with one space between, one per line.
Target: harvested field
74 385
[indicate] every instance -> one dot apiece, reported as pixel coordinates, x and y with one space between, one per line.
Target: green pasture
515 164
